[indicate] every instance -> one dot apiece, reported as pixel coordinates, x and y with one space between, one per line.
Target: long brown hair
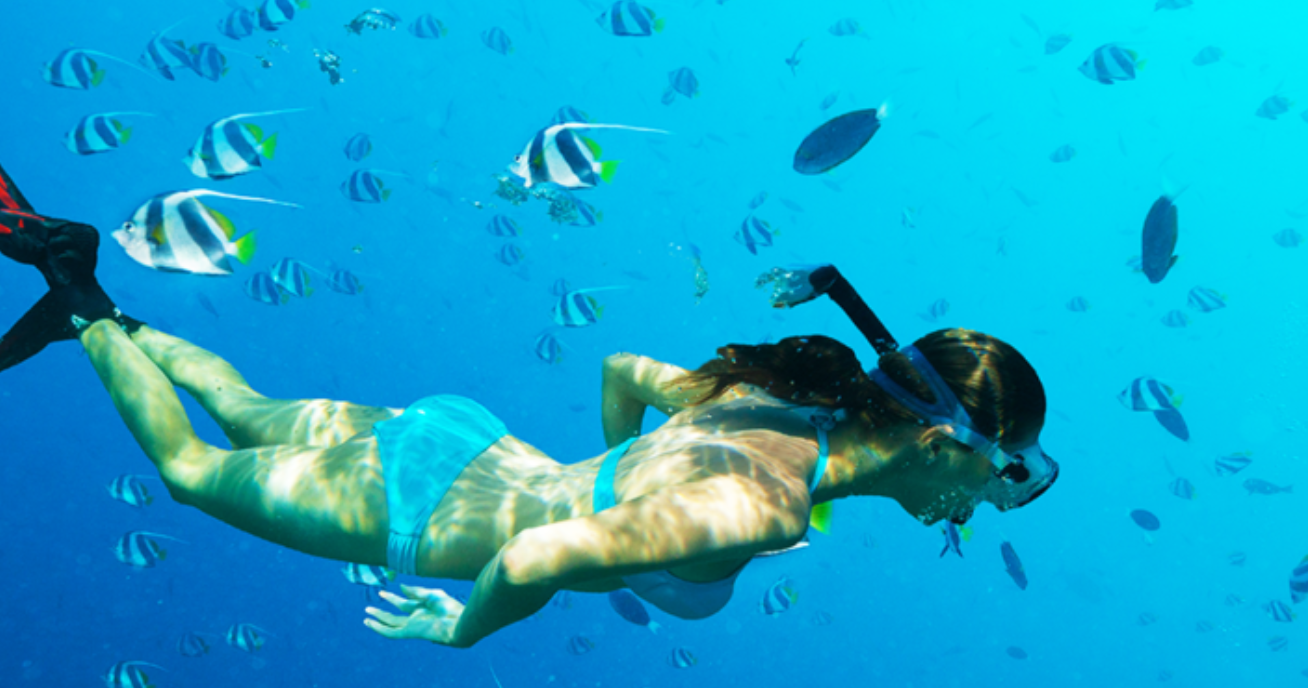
995 383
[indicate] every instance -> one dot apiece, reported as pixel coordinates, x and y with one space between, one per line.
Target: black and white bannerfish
262 288
1182 488
163 55
358 147
548 348
560 287
1299 582
100 133
682 81
129 490
579 645
557 155
75 68
343 281
375 19
176 232
138 549
247 637
237 25
1057 42
938 309
846 27
272 14
1111 62
1148 394
1175 318
577 308
364 186
129 675
209 61
191 644
1078 304
681 658
503 226
293 277
495 39
427 26
628 18
837 140
229 148
1232 463
1063 153
510 254
1206 300
368 575
754 232
1159 238
1279 611
779 597
1288 238
567 113
1273 107
1013 565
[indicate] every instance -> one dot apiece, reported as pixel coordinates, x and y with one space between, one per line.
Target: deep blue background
975 109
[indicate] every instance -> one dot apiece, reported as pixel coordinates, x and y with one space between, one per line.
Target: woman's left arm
710 520
630 384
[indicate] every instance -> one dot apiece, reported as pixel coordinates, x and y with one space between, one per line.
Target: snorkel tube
794 286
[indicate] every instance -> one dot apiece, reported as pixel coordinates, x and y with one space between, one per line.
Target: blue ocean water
956 198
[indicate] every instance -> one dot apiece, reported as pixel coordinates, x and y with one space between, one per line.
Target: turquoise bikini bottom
423 451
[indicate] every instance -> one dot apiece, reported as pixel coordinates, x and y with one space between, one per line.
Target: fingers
387 631
405 605
385 623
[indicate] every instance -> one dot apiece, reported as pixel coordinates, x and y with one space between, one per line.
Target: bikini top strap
603 496
823 455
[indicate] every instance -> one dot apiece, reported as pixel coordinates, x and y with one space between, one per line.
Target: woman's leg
248 418
326 502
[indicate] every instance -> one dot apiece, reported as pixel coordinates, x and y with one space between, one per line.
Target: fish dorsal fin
223 222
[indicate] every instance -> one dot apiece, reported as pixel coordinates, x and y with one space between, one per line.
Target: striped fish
1057 42
629 19
681 658
503 226
263 289
247 637
75 68
176 232
1278 644
358 147
579 645
129 490
683 81
428 26
163 55
1078 304
577 308
778 598
1175 318
1147 394
548 348
567 113
272 14
560 287
1273 107
1279 611
1063 153
509 254
237 25
939 309
754 233
1206 300
344 282
1299 582
229 148
192 645
1234 600
1232 464
1288 238
368 575
1182 488
1236 558
364 186
293 277
129 675
846 27
138 549
100 133
559 156
209 61
374 19
495 39
1109 63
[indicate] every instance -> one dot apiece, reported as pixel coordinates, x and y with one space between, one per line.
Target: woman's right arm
630 384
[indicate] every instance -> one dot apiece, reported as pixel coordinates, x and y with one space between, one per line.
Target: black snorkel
794 286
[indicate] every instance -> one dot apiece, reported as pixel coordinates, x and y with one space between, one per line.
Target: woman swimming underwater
757 438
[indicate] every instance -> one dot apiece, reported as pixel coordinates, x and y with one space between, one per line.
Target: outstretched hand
429 614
